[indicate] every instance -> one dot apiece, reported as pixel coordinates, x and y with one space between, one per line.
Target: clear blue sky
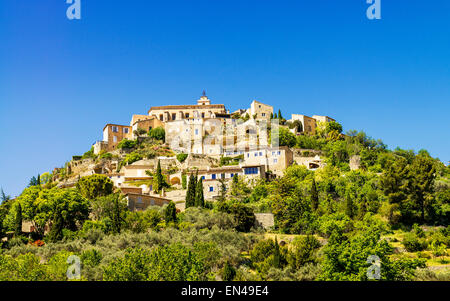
61 81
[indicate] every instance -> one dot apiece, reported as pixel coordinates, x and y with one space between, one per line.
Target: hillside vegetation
328 222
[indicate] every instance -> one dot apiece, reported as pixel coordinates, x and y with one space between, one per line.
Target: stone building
258 110
146 124
322 118
203 109
112 135
308 123
212 176
140 202
275 160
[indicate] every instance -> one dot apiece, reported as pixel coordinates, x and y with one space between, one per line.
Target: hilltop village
203 138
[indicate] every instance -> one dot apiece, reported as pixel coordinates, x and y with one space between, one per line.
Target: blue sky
61 81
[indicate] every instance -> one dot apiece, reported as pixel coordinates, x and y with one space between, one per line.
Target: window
251 171
256 154
203 177
186 115
174 116
125 130
263 114
275 160
273 153
203 115
248 155
260 154
139 200
211 188
115 139
222 176
231 175
279 153
115 129
213 176
196 131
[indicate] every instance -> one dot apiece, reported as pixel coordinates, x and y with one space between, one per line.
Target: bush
413 243
94 186
106 156
131 158
166 263
182 157
127 144
158 133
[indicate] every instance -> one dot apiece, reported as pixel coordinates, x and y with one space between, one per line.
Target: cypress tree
199 197
279 114
223 190
18 221
159 178
170 213
228 272
275 116
56 233
190 193
349 210
314 196
38 180
116 215
184 181
277 255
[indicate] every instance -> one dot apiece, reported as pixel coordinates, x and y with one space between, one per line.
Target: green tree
349 205
222 190
164 263
346 258
18 220
184 181
228 272
56 231
170 213
279 114
304 251
33 182
140 132
160 181
94 186
199 197
314 196
422 177
285 137
190 194
158 133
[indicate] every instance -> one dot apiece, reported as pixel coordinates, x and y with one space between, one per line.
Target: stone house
308 123
148 123
259 110
275 159
203 109
140 202
112 135
212 176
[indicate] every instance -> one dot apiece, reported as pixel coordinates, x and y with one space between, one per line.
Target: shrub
182 157
413 243
158 133
106 156
127 144
94 186
131 158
